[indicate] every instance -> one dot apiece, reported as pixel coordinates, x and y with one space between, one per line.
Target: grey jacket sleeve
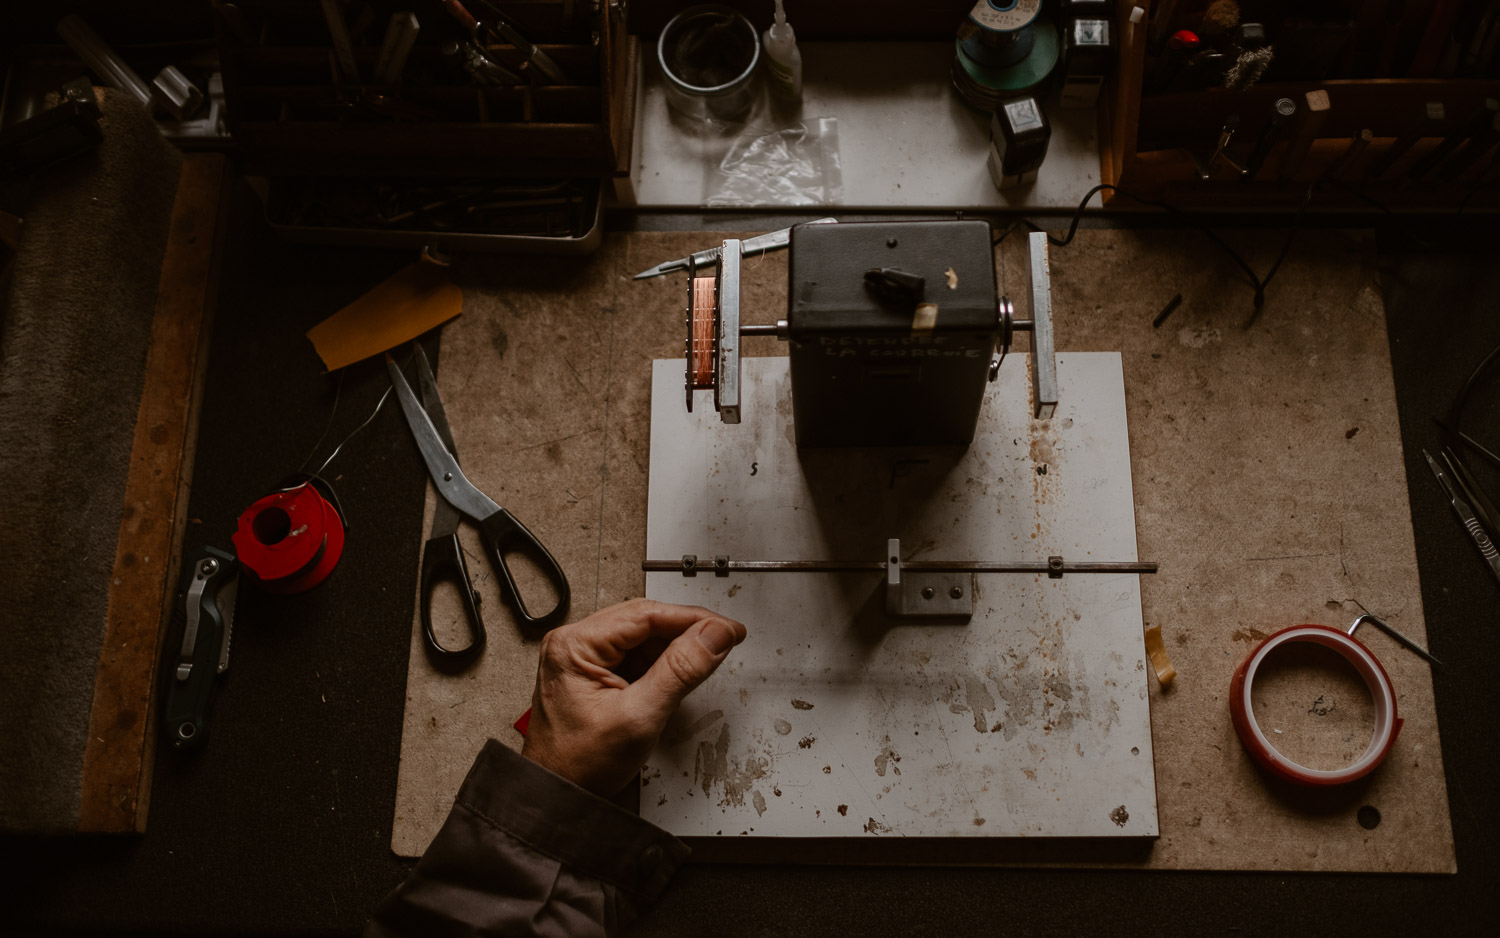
525 852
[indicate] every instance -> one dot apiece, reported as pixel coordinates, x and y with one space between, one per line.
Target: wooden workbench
1268 480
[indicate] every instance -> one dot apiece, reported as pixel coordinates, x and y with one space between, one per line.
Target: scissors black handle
503 533
443 561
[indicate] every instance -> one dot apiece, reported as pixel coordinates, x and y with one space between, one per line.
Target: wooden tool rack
1145 139
293 112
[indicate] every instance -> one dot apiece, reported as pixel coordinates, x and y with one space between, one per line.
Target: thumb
687 662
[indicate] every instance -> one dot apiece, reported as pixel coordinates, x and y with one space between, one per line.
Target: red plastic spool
290 540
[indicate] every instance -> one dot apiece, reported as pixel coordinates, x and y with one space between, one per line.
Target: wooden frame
294 115
1144 140
118 758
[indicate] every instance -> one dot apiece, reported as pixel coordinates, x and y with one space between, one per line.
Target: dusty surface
1268 482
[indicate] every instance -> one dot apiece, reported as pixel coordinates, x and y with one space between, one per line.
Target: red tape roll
290 540
1387 723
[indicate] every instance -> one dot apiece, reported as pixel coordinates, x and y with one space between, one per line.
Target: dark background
282 824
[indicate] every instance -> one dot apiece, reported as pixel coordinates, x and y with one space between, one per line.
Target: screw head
209 567
447 477
927 592
957 592
890 242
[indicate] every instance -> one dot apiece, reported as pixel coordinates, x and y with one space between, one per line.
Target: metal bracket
727 374
1044 394
926 594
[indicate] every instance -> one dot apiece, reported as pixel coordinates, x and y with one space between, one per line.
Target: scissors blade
446 475
445 517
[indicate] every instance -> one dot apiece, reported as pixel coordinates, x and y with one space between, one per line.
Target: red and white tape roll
290 540
1387 723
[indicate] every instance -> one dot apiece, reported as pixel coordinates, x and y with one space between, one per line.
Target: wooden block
117 761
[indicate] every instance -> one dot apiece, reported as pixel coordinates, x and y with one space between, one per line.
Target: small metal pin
1380 624
447 477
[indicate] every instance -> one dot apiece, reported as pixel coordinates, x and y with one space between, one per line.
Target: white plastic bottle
783 59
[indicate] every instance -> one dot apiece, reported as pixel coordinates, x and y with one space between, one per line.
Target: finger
611 632
686 663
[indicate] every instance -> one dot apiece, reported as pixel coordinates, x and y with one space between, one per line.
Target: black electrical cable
1455 440
1257 282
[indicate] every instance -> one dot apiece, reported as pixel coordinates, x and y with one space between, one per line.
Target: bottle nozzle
780 14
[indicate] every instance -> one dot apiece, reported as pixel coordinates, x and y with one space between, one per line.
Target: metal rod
707 565
1380 624
758 329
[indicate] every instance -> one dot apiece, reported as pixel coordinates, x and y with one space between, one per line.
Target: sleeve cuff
575 827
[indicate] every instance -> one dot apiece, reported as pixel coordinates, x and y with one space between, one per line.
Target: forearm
525 852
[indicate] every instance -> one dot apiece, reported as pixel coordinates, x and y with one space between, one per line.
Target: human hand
592 726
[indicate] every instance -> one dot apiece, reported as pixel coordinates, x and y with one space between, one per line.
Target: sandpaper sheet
1267 472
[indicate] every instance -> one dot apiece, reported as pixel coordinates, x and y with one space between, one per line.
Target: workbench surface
294 798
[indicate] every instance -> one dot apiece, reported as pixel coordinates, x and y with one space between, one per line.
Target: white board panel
831 720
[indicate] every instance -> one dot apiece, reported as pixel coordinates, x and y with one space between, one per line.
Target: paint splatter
806 742
1119 816
782 727
979 700
843 809
801 704
759 800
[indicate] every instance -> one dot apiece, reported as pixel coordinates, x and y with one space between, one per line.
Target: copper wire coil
701 351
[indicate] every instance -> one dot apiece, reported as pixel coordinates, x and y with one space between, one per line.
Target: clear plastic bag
796 165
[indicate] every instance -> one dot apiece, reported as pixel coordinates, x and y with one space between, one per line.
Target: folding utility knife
204 612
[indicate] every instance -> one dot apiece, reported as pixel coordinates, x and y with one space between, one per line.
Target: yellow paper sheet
406 305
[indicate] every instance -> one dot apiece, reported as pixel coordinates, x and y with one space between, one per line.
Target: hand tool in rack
760 244
501 532
1466 516
1281 111
477 66
1168 65
531 56
400 34
205 610
343 46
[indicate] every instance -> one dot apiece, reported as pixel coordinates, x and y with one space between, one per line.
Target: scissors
443 556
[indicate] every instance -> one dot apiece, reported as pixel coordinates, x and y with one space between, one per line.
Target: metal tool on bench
1466 515
927 589
892 327
205 611
760 244
502 533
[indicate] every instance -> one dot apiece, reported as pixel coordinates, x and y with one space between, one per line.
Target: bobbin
291 539
1387 722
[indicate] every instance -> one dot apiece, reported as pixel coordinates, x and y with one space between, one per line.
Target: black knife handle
190 678
504 534
443 561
